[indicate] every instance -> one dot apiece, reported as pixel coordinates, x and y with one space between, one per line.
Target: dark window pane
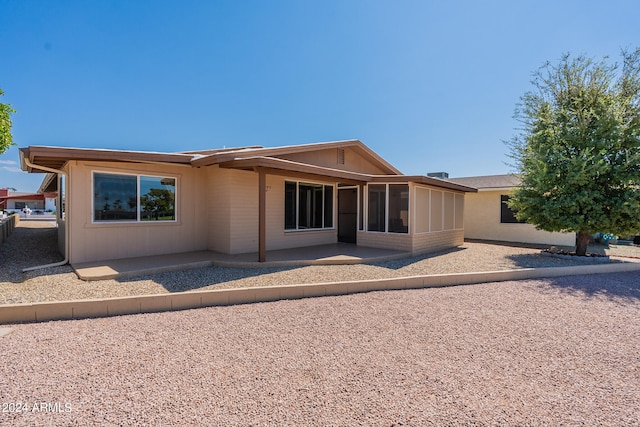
289 205
361 208
310 206
398 208
115 197
328 206
507 216
377 207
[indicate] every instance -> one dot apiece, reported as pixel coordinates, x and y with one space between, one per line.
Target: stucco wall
277 237
432 242
233 214
218 196
217 209
90 241
232 210
482 221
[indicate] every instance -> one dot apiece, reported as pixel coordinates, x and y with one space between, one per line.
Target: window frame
386 208
507 213
138 219
323 208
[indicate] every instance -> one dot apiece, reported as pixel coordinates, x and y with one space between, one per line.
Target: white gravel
531 353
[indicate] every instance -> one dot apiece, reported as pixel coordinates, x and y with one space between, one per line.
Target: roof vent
341 156
441 175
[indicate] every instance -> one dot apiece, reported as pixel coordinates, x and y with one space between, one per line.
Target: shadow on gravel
30 246
193 279
616 287
397 264
539 260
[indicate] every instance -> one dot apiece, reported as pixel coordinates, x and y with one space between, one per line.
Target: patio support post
262 214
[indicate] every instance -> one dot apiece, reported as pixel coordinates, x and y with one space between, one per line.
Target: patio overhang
274 166
282 167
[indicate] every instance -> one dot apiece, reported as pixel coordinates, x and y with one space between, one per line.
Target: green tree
578 151
6 139
158 202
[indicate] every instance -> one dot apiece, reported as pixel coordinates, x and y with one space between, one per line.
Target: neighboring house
487 216
120 204
12 201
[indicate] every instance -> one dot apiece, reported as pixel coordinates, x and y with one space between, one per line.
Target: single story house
13 201
487 216
121 204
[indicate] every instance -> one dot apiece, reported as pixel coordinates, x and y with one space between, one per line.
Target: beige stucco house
487 217
120 204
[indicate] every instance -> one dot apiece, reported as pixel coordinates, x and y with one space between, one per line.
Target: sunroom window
395 198
129 198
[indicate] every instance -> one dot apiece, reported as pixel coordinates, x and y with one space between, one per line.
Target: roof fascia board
483 189
47 182
217 158
67 153
293 149
419 179
287 165
307 176
335 174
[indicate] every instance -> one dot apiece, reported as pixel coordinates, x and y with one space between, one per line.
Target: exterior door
347 214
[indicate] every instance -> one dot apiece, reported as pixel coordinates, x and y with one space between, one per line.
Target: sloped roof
252 157
56 157
489 182
354 144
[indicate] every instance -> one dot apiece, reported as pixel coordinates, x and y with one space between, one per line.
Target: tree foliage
6 138
578 151
158 203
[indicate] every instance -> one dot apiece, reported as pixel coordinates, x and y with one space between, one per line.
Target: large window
377 196
507 215
395 197
307 206
133 198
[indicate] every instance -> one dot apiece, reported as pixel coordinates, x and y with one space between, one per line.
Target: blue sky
430 86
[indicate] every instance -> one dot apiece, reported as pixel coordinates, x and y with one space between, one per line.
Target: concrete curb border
80 309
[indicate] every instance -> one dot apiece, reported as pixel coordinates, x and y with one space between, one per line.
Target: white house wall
482 221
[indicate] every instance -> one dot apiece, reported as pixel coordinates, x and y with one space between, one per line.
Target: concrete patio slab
340 253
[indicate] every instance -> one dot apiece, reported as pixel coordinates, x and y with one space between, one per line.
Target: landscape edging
80 309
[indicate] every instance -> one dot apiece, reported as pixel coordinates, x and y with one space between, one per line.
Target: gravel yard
541 352
34 242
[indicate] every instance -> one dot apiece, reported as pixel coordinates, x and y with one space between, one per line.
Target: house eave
57 157
357 145
287 167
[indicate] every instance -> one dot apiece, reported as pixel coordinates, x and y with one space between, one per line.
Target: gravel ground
531 353
34 243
